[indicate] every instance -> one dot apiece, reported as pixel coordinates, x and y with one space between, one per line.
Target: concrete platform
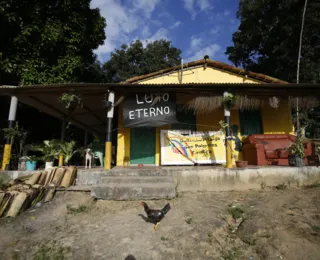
204 178
134 188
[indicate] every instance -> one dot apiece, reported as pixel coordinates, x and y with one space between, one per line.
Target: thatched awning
204 104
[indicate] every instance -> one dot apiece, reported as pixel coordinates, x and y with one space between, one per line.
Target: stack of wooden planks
39 187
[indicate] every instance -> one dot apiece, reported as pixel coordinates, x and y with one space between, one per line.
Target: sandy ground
276 224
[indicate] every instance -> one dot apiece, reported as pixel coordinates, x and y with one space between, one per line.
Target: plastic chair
98 152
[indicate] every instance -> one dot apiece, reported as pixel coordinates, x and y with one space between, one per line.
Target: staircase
119 186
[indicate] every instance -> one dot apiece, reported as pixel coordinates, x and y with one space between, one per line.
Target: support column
63 134
228 137
7 146
108 147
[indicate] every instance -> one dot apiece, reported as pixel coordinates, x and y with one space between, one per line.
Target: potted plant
67 149
296 152
229 101
70 101
49 149
31 162
239 163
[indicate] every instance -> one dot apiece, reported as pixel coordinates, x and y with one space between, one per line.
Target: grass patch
281 186
236 212
164 238
315 228
75 210
54 252
248 239
189 220
209 234
4 182
233 254
312 185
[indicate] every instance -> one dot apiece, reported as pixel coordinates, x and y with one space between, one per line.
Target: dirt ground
272 224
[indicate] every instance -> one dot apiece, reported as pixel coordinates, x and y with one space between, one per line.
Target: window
250 122
187 119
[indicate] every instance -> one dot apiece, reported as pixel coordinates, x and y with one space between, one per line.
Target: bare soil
275 224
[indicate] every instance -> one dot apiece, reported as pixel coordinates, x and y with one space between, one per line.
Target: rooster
155 215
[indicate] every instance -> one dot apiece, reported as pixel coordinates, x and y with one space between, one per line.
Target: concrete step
138 171
136 179
134 191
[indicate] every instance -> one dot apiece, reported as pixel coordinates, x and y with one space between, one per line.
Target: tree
267 39
135 60
48 41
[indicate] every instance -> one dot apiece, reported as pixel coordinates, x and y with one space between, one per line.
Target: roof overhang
92 116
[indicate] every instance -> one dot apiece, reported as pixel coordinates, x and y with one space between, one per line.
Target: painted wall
273 121
199 75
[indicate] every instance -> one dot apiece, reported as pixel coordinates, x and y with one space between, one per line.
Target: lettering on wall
149 110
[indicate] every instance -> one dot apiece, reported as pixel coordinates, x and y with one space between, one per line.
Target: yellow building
142 145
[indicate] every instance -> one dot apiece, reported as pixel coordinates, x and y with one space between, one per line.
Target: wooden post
228 137
108 147
11 121
63 134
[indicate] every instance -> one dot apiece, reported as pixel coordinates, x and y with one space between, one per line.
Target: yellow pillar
108 156
60 160
229 159
6 156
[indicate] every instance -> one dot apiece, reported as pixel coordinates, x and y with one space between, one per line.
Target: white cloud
162 33
190 6
195 43
122 21
210 50
203 4
175 25
147 6
226 12
146 31
215 30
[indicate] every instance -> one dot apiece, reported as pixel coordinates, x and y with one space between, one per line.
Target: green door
142 146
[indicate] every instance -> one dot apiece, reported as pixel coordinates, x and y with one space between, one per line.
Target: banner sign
198 147
149 110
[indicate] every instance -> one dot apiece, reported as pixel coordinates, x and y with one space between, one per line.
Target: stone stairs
134 187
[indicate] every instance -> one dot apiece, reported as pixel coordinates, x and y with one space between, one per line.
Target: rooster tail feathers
166 209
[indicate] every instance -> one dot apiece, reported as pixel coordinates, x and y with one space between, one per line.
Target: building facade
142 145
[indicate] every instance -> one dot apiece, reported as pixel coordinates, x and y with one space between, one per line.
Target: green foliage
4 182
77 210
67 149
17 135
54 251
297 148
48 41
267 39
236 212
135 60
229 101
70 100
33 158
49 149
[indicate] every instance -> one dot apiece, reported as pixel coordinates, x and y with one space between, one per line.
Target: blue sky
197 27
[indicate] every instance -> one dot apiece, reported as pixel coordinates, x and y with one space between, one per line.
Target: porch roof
92 115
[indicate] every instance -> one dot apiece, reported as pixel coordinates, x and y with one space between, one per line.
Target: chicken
155 215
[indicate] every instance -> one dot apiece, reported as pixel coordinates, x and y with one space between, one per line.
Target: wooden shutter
250 122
